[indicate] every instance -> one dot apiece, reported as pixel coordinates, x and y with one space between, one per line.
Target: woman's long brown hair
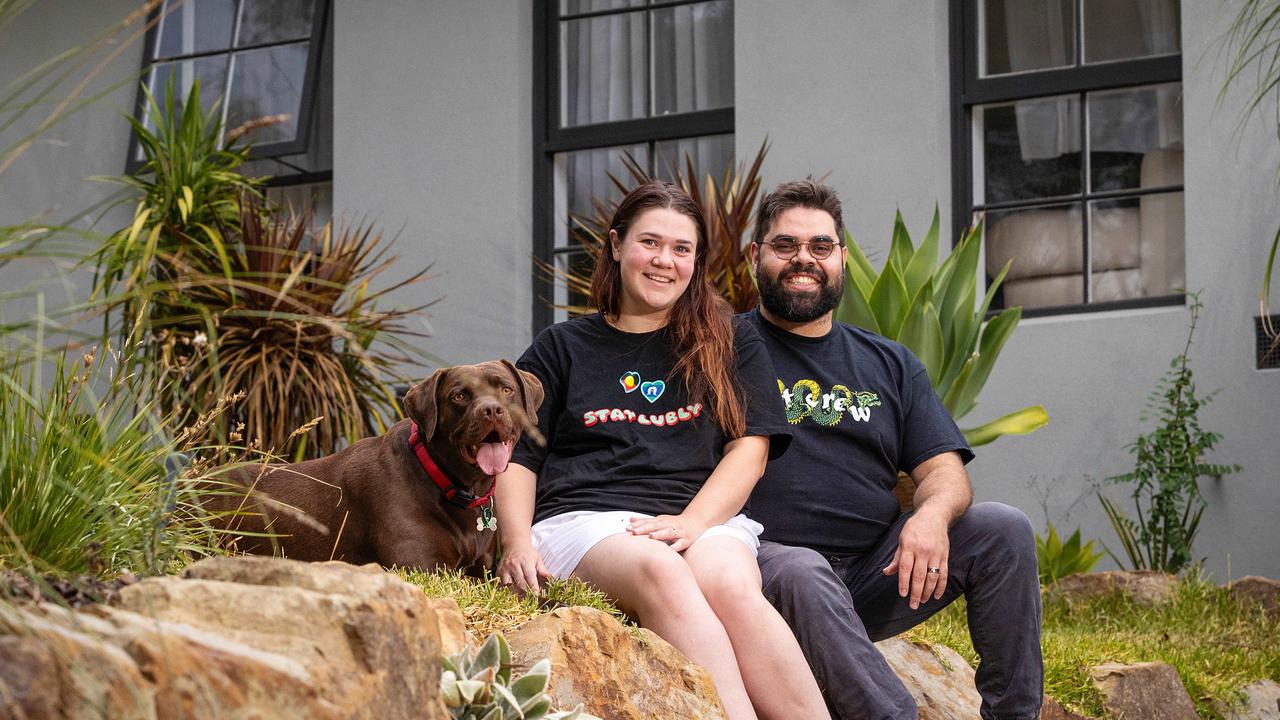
700 325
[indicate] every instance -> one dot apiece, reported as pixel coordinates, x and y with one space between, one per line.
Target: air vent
1268 345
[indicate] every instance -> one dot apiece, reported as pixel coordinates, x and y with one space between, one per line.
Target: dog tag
486 521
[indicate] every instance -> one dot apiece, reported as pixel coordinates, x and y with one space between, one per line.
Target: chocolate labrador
418 496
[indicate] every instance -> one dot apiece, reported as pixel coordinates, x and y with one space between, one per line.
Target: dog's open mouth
492 453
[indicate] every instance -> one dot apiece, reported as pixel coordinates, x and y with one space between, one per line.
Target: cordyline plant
728 205
233 298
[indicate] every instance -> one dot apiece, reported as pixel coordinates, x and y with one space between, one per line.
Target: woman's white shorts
562 540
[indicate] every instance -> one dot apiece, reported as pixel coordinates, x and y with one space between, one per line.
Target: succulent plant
477 685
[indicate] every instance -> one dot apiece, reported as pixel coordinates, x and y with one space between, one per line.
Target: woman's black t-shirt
621 432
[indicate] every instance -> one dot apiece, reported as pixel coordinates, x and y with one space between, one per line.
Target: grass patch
487 607
1217 645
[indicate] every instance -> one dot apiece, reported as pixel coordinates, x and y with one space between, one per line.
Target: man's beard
799 307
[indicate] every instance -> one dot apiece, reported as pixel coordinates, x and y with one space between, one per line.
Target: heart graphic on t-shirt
652 390
630 381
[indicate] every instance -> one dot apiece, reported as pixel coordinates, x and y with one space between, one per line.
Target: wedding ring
934 571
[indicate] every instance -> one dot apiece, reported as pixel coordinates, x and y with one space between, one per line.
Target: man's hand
923 544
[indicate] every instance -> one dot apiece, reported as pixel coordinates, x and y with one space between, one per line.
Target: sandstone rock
1051 709
1258 589
51 666
367 640
1145 587
596 661
1261 702
936 676
1145 691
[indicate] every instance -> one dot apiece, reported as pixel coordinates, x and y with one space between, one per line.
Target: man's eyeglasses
786 248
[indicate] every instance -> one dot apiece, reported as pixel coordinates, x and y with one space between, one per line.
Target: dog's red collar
454 494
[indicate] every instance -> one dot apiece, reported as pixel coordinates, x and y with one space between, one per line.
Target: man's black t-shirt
861 409
621 431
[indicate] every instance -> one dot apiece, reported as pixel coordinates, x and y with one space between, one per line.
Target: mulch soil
23 589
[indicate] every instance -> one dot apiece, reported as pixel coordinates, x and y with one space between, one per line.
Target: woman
651 452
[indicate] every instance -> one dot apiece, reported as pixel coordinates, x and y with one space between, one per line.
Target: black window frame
276 150
969 89
549 138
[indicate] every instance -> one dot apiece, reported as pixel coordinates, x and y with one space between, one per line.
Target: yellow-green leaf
1026 420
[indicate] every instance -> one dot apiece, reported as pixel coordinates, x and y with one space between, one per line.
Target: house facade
1092 136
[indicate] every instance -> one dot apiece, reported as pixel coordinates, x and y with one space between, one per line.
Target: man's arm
942 495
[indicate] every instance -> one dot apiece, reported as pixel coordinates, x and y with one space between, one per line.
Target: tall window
652 78
265 62
1067 139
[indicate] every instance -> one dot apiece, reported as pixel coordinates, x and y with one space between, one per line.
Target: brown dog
376 501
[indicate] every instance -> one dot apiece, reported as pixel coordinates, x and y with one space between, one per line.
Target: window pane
1047 248
573 7
692 57
1137 247
295 199
192 27
1126 29
1029 149
1020 35
604 71
210 71
712 155
267 21
583 175
268 82
1135 137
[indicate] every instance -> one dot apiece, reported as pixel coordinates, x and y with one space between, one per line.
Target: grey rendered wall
860 90
432 139
47 183
854 88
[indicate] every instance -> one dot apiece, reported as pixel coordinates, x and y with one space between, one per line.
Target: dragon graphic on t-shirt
806 399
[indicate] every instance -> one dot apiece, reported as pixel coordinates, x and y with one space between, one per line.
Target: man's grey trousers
839 606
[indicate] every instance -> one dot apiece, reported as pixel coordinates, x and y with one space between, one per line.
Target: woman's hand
678 531
522 567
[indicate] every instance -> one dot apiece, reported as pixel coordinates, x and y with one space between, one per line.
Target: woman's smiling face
656 260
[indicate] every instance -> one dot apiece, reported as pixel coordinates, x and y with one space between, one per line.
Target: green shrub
1169 463
90 484
1057 559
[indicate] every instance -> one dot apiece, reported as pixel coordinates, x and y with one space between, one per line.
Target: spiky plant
728 203
298 331
234 298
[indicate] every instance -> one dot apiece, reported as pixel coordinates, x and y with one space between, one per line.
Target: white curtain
1038 34
605 76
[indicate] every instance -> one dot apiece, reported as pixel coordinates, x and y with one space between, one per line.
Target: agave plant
728 203
478 686
1057 559
934 310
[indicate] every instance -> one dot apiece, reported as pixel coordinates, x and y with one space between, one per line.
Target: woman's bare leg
651 582
777 677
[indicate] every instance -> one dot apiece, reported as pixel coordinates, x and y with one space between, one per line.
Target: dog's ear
420 404
530 390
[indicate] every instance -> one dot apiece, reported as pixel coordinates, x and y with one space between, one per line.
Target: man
841 562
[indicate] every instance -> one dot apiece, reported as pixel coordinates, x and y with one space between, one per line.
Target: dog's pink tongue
493 457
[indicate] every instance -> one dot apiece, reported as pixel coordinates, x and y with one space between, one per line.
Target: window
1067 139
258 59
653 78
